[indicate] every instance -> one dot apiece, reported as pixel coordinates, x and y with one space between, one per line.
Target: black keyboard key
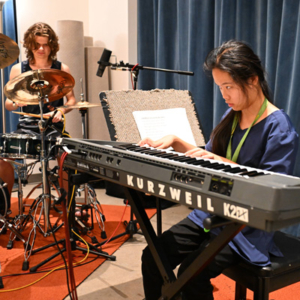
236 170
189 160
150 151
251 173
205 163
166 155
180 158
212 165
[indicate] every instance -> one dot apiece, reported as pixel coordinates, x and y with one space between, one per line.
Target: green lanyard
234 124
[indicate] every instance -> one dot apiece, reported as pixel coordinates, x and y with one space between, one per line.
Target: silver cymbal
31 86
9 51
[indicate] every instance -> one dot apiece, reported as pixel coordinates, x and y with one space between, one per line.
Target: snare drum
22 146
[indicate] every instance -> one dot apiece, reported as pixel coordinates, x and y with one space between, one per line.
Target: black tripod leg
101 253
131 229
48 246
34 269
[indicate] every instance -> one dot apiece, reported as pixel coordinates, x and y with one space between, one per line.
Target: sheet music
158 123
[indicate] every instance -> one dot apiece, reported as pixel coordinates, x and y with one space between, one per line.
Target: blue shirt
272 145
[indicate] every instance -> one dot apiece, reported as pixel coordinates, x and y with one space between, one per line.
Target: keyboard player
252 132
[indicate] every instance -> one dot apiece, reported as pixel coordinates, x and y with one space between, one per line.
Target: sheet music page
158 123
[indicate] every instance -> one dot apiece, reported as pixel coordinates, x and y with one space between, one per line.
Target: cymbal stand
83 112
45 198
90 198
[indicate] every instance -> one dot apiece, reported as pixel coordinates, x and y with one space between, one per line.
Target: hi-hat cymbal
81 105
9 51
31 86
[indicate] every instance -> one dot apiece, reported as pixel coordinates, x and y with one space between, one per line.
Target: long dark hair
241 63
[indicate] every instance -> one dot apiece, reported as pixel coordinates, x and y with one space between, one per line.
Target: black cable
51 148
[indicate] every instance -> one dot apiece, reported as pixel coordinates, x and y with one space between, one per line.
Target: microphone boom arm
129 67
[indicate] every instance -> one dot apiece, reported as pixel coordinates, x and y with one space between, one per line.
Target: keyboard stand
173 286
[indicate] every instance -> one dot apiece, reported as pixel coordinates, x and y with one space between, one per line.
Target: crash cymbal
9 51
31 86
81 104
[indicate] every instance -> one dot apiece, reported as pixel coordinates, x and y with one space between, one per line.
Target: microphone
103 62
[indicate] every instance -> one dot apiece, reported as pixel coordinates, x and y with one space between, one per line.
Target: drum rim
20 136
19 156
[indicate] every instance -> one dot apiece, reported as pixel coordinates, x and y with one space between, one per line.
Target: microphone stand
132 224
136 68
83 112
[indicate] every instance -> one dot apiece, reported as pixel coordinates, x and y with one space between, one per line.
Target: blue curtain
10 30
178 34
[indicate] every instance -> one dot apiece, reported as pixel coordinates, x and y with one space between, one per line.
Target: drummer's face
42 48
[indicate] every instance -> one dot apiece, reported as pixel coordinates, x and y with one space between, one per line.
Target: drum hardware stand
131 229
45 184
6 223
73 237
83 112
90 198
20 168
45 197
91 203
20 219
46 206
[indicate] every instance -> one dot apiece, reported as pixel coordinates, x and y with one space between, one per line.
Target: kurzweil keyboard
260 199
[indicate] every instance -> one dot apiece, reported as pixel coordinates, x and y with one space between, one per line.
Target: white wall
109 25
107 21
32 11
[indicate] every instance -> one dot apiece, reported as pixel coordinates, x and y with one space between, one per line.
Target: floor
120 279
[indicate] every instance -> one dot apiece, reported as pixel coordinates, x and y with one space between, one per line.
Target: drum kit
35 87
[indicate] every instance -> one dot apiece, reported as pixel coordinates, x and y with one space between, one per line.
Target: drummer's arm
9 104
70 100
70 96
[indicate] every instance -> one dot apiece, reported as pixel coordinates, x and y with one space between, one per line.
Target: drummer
41 44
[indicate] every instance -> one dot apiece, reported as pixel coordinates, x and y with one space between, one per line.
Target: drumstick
31 115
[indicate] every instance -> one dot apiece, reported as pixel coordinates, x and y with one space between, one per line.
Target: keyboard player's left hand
198 152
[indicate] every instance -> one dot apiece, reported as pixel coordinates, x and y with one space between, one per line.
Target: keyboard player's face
231 91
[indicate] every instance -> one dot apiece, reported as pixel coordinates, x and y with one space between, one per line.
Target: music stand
118 108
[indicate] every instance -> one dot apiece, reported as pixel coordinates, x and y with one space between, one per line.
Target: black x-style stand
73 237
173 286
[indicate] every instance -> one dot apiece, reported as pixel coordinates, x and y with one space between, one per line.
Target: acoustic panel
97 127
118 107
71 41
